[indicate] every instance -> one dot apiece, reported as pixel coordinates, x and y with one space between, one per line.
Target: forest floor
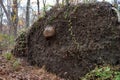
12 68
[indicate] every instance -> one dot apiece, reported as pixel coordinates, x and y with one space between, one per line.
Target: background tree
63 2
38 5
1 18
115 3
15 16
5 10
9 22
28 13
67 2
44 6
57 2
6 13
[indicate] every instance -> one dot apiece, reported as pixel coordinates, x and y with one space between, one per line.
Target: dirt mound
85 35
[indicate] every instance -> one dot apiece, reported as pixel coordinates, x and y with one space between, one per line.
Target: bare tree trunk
44 6
9 9
28 13
67 2
9 14
63 2
15 16
57 3
115 3
1 18
38 5
6 13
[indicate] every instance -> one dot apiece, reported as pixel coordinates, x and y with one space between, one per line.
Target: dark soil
86 35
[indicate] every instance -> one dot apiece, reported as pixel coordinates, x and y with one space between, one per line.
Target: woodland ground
17 69
12 68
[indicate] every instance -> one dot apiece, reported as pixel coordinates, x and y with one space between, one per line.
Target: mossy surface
86 35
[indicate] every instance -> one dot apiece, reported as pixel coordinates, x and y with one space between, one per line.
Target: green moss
102 73
8 56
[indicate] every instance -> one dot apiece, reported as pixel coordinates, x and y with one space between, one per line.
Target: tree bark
44 6
28 14
9 10
15 16
67 2
63 2
57 3
1 19
115 3
38 5
6 13
9 23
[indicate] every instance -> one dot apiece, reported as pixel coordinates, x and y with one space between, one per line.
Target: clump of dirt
86 35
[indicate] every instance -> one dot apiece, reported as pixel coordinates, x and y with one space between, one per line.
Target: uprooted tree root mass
86 35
